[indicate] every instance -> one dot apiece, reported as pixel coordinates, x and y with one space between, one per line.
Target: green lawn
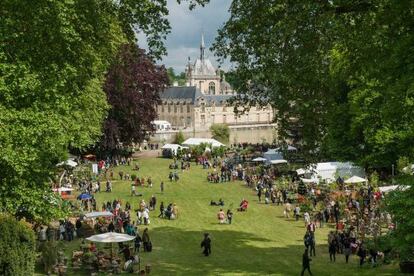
259 242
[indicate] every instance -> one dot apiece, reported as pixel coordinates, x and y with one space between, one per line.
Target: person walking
161 215
146 241
362 253
332 250
306 262
229 216
206 243
162 187
347 249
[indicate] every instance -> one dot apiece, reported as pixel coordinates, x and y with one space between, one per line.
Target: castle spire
202 47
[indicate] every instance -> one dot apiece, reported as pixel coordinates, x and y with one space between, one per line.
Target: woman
221 216
146 241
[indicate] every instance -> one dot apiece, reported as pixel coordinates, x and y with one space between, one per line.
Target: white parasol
111 237
355 179
259 159
99 214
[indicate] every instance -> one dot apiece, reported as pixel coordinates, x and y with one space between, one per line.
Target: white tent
98 214
355 179
329 171
173 147
259 159
289 148
278 161
111 237
68 162
302 171
197 141
313 180
386 189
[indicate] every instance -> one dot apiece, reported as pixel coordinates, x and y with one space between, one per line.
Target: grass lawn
259 242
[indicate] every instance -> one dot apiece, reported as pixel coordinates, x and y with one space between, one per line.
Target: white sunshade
111 237
306 180
99 214
68 162
278 161
355 179
259 159
289 148
302 171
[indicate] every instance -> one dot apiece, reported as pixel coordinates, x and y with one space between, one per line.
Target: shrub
220 132
17 243
179 138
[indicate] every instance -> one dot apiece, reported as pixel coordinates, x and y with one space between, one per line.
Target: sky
186 29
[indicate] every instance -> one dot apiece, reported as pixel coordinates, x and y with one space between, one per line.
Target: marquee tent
355 179
197 141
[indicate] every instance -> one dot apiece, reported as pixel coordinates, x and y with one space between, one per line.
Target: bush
17 243
179 138
49 255
220 132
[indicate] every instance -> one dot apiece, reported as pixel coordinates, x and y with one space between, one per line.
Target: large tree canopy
53 58
133 85
339 73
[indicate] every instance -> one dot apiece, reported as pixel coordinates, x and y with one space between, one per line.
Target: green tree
337 72
179 138
220 132
53 58
17 243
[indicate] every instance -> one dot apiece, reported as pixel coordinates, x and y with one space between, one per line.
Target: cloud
186 29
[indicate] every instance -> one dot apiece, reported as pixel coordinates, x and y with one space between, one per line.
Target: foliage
172 77
179 138
17 243
133 85
337 72
302 189
49 250
374 179
400 204
220 132
402 163
218 151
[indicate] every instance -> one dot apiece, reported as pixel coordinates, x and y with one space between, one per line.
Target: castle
203 101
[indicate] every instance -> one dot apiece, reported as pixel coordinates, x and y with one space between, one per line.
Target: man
162 187
306 262
206 243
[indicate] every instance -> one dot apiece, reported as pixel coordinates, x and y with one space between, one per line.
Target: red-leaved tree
133 86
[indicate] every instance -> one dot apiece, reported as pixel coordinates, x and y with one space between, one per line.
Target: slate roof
192 94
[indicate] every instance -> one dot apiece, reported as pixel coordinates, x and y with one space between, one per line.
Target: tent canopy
273 154
99 214
279 161
386 189
197 141
259 159
355 179
289 148
111 237
68 162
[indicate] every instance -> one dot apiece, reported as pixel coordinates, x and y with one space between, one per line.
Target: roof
203 67
161 122
180 93
198 141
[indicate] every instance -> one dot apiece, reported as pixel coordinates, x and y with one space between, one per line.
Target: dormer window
212 88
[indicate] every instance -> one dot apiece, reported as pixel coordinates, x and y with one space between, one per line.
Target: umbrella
259 159
99 214
306 180
111 237
84 196
355 179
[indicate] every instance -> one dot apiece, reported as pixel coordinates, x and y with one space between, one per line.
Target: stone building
203 101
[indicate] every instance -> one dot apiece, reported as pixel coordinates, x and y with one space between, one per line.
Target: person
133 189
332 250
126 251
296 212
259 194
111 227
373 253
174 214
306 262
161 215
288 208
229 216
146 241
137 242
221 216
347 249
362 253
306 217
312 245
162 187
206 243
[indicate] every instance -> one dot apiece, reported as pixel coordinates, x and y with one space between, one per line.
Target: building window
203 119
188 121
175 108
188 108
181 108
203 107
212 88
162 108
169 108
258 117
213 117
200 84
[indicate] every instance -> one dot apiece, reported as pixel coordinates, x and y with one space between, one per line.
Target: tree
172 77
337 73
220 132
53 59
179 138
133 85
17 240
